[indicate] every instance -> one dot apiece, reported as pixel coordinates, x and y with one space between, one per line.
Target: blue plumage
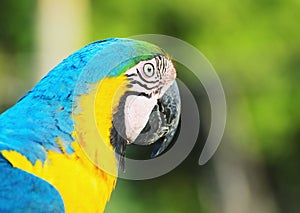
44 114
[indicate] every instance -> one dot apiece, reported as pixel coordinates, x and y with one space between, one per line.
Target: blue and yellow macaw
61 145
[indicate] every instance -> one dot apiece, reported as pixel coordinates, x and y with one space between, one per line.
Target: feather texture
43 167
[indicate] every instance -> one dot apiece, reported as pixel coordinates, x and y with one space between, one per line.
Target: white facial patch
149 80
137 111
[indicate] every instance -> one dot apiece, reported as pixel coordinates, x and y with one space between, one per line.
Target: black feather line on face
119 144
118 135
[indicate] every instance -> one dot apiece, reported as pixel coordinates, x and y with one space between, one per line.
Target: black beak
163 122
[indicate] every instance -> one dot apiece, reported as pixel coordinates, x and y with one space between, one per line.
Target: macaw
63 143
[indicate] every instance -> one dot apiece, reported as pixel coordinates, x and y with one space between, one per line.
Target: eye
148 69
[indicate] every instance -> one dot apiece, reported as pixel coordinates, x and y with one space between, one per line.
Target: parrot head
149 110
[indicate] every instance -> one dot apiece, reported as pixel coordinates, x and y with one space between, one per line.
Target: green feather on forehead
138 51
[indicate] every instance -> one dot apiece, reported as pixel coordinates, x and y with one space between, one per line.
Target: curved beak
163 122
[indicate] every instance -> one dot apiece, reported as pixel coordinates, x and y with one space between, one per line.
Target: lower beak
163 122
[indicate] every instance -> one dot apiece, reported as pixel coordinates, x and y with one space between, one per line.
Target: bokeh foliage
17 21
255 48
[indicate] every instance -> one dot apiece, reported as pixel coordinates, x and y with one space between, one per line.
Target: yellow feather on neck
93 125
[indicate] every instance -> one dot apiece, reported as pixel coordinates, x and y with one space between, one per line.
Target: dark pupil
149 69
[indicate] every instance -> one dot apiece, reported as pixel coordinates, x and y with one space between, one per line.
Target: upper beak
163 121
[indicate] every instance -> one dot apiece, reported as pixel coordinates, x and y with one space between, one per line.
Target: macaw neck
93 124
55 113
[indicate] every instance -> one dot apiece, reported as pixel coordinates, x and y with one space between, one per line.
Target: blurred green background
255 49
